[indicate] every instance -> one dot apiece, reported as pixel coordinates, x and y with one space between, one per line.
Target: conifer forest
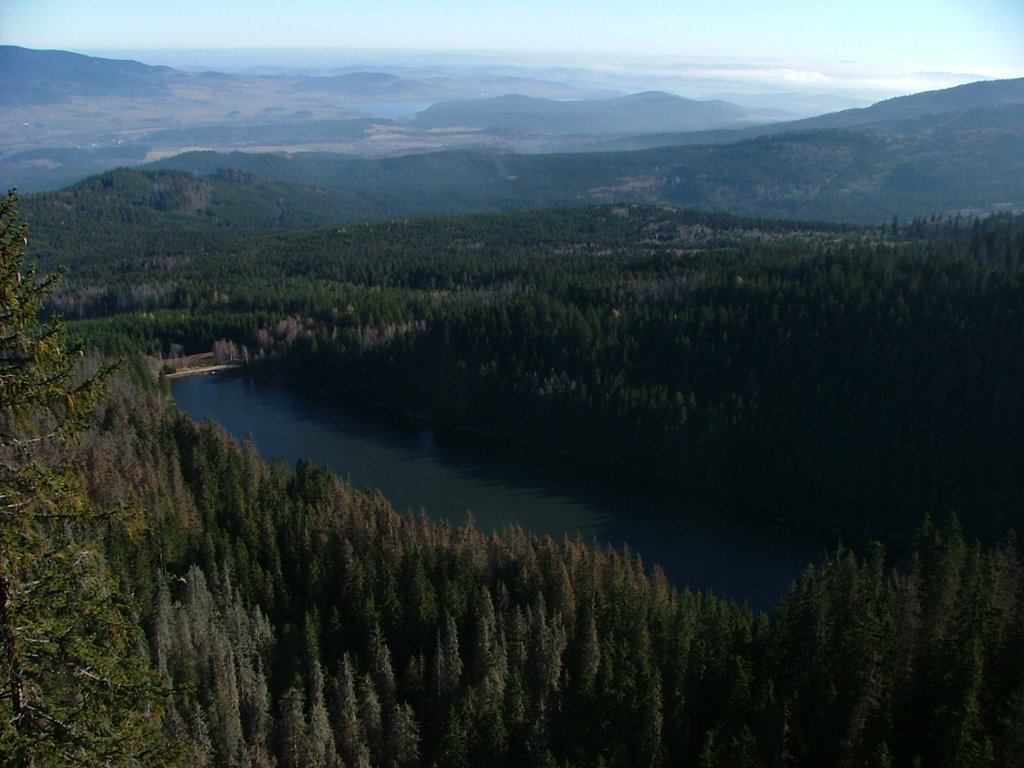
168 598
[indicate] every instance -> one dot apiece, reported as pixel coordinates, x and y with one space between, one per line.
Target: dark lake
451 475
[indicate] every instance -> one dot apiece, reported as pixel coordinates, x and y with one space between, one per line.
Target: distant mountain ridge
992 103
636 113
824 175
372 85
906 112
49 77
862 166
983 94
960 149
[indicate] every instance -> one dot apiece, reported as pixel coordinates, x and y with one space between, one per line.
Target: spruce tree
75 688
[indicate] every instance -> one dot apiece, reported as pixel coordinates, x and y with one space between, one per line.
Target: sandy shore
203 369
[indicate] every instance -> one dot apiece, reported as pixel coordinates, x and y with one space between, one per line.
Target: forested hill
968 163
303 621
859 378
949 151
169 600
955 150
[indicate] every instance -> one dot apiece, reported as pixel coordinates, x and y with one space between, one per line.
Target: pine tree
74 685
321 737
403 741
344 709
294 746
371 717
447 661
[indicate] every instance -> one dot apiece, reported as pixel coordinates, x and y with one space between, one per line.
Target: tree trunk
19 710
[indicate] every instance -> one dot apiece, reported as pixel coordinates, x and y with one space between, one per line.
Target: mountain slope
834 175
990 96
961 149
228 199
932 153
49 77
991 104
636 113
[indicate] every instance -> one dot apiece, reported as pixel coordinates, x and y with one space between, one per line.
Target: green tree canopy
74 685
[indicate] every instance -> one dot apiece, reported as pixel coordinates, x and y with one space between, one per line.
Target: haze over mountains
79 113
373 136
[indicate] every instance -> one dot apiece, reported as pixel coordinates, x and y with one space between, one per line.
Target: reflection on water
451 475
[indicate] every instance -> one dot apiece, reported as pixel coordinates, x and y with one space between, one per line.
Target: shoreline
182 373
191 365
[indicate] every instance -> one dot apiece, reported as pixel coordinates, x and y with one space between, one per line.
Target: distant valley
65 116
494 144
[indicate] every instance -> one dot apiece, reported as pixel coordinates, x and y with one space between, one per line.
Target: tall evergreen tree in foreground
75 685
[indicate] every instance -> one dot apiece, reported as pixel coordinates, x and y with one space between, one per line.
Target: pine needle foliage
75 685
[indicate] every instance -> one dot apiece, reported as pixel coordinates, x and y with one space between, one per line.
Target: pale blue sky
983 37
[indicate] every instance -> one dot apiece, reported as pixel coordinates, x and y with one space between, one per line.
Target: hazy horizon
802 88
859 53
773 64
918 35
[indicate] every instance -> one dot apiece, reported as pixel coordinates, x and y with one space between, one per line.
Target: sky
975 37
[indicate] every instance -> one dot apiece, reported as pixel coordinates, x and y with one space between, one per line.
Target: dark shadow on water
699 543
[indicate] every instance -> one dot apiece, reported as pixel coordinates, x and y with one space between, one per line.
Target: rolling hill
956 150
839 175
636 113
65 116
34 78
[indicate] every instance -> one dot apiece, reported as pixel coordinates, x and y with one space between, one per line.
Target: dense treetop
685 346
850 375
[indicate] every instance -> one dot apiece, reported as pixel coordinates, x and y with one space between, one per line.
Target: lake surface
451 475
